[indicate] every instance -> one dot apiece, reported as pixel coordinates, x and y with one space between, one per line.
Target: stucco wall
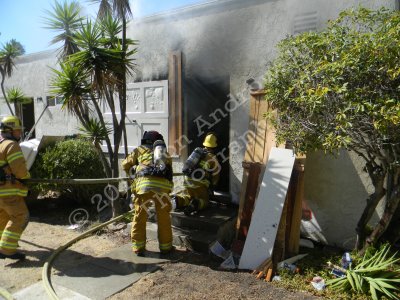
33 75
235 39
240 41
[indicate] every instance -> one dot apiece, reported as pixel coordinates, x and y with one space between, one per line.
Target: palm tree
64 18
93 75
16 96
122 10
96 132
8 53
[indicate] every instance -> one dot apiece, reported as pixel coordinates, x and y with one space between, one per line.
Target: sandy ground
196 276
46 231
187 276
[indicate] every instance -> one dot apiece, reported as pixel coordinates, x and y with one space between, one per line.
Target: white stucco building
222 44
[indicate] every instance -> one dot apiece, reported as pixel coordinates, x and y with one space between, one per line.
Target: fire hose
46 271
5 294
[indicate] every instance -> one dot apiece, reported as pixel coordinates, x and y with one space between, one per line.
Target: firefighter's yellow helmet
10 123
210 141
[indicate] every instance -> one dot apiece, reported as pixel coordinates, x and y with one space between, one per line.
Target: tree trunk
3 76
104 161
390 208
120 129
116 204
392 233
377 176
369 210
123 104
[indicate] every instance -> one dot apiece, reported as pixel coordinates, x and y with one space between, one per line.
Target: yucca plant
8 53
15 95
65 19
375 274
96 132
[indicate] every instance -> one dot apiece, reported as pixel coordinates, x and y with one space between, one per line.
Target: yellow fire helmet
10 123
210 141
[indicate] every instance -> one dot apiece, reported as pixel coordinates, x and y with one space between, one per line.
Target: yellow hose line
46 271
76 181
5 294
80 181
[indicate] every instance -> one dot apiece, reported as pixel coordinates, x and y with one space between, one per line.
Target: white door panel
146 109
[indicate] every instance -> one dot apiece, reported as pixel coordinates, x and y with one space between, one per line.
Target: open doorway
26 112
204 105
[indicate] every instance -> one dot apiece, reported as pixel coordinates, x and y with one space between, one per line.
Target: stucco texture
235 40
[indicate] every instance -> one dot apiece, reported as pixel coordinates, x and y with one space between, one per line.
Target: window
53 101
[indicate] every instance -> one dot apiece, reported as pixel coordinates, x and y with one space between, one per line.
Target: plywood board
267 213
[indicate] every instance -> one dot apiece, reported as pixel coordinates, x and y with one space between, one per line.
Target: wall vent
305 22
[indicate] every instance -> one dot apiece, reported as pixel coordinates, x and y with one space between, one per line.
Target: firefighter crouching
150 167
13 211
201 171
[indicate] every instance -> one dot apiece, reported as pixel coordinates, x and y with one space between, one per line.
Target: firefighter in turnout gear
150 168
13 211
201 171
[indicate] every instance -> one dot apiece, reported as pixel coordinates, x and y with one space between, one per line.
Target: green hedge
70 159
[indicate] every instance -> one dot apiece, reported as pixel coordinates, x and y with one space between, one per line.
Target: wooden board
268 209
175 103
260 141
250 183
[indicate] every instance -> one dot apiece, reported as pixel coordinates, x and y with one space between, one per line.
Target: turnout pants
162 204
200 193
14 217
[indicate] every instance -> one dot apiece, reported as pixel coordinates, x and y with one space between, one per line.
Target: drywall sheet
268 209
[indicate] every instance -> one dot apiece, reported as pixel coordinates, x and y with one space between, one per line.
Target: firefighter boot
177 203
16 255
192 208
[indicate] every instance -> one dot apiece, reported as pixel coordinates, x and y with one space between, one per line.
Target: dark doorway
205 102
26 112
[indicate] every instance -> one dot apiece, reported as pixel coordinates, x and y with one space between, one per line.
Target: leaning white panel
268 209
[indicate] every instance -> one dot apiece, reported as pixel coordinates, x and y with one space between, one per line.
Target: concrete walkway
98 278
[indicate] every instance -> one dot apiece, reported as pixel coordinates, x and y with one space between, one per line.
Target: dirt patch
187 275
46 231
197 276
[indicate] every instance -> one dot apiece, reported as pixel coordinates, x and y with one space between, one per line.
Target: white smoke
137 8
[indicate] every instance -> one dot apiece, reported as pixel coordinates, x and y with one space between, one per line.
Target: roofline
35 56
195 10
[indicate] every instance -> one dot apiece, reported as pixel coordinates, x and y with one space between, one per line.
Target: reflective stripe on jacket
12 158
139 159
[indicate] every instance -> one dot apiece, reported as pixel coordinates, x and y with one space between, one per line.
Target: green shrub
69 159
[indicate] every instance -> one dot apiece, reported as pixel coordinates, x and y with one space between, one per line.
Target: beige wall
235 38
33 75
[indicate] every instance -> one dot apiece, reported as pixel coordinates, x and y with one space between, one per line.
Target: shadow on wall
336 190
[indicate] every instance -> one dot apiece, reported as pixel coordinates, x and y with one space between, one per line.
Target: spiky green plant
375 274
95 131
15 95
8 53
64 18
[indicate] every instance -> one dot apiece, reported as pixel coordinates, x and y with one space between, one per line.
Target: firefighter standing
150 166
201 175
13 211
